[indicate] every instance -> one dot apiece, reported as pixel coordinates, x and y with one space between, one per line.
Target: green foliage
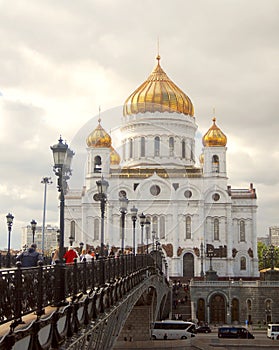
267 257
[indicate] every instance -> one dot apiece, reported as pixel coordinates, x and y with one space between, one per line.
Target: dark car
203 329
234 332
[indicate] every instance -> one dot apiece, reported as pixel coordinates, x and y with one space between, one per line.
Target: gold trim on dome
99 138
214 137
158 94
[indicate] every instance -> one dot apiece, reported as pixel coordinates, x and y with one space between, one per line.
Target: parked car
203 329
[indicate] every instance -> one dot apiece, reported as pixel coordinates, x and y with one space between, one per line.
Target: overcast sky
60 60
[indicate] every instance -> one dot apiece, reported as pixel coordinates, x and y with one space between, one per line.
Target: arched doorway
188 266
217 307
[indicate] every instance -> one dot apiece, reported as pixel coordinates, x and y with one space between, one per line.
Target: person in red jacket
70 255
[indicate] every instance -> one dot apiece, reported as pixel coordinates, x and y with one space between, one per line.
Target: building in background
50 239
274 235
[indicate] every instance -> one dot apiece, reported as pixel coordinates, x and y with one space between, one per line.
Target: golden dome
99 138
158 94
214 137
114 157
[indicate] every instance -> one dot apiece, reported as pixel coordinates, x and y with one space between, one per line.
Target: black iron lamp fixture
142 223
10 219
102 187
134 216
33 228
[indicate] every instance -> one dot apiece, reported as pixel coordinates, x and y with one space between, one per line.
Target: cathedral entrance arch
188 266
217 307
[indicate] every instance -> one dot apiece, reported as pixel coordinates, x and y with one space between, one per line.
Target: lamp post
123 210
102 186
134 212
62 156
142 222
147 230
202 251
210 254
272 251
46 181
10 219
33 228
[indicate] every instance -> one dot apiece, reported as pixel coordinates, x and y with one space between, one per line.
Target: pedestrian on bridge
30 257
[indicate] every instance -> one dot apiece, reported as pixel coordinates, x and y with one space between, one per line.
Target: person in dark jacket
30 257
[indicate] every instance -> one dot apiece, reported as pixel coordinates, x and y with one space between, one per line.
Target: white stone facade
188 205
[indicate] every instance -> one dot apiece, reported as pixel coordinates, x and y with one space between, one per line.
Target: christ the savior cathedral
198 218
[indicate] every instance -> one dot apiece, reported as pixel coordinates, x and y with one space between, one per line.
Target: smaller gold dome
99 138
114 157
214 137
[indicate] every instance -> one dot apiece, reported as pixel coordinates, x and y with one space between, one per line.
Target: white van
273 330
172 329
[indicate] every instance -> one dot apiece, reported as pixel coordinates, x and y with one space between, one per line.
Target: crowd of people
30 257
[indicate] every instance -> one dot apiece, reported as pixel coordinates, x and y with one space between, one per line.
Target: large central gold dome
158 94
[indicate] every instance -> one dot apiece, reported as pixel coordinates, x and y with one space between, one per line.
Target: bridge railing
30 290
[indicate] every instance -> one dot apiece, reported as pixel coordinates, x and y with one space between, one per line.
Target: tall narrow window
155 225
124 149
97 164
147 229
183 149
216 229
73 229
188 227
96 229
131 148
142 146
215 164
242 231
171 146
162 227
242 263
157 146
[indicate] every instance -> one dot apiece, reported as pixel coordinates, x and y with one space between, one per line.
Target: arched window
73 229
243 263
171 146
162 227
157 146
131 148
216 229
96 229
188 227
183 149
97 164
147 229
242 231
155 225
142 146
215 164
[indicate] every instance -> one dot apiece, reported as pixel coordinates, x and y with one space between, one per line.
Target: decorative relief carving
197 251
251 253
234 252
168 249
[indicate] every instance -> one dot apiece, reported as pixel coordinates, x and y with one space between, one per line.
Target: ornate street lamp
10 219
33 228
134 212
202 256
123 201
62 156
142 222
147 230
102 186
46 181
210 254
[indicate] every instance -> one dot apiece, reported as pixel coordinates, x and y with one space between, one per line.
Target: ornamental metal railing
30 290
